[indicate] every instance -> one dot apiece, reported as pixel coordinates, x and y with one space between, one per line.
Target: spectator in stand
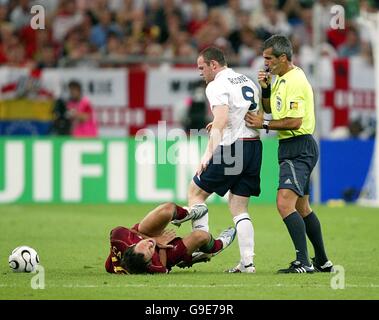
214 28
89 20
304 29
3 14
103 29
133 46
16 56
7 38
250 47
195 15
185 51
130 20
352 46
292 9
12 50
78 50
47 58
96 6
66 18
176 34
234 36
80 112
20 15
154 51
270 20
230 13
114 46
160 18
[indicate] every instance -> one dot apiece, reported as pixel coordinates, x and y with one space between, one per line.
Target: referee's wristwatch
265 125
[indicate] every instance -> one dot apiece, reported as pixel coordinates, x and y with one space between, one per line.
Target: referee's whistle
267 70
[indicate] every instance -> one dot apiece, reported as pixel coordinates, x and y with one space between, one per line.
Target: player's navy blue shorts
297 158
236 168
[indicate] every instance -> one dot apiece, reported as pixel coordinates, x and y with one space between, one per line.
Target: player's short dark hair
75 84
280 45
213 53
134 262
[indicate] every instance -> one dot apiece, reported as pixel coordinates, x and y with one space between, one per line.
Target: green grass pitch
72 242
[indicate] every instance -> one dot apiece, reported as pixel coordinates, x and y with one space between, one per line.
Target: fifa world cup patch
294 105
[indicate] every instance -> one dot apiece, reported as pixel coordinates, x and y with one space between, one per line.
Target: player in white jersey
232 160
238 93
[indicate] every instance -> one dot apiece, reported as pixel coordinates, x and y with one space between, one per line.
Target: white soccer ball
23 259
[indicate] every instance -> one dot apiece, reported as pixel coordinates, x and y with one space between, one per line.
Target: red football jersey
121 239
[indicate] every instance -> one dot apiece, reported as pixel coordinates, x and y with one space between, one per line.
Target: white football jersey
239 93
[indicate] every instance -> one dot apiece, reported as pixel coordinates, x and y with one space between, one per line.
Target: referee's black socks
314 233
296 228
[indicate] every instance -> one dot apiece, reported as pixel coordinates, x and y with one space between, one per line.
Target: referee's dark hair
280 45
213 53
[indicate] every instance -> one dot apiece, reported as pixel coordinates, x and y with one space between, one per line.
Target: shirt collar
222 71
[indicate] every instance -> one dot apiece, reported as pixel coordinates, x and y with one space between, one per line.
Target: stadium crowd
171 29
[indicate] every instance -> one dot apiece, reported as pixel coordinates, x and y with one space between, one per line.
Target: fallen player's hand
165 238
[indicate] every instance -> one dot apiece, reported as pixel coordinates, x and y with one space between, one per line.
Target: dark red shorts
177 253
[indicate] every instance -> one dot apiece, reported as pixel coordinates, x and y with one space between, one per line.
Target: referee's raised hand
264 78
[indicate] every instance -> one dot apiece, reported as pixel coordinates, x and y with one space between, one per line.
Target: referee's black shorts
236 168
297 158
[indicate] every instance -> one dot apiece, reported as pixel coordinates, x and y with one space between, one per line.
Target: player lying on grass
149 248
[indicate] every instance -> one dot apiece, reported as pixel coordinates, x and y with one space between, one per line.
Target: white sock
245 235
201 224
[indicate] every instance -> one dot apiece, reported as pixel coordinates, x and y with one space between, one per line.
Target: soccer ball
23 259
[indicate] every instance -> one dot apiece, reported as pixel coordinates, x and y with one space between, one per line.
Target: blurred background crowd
165 36
92 31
